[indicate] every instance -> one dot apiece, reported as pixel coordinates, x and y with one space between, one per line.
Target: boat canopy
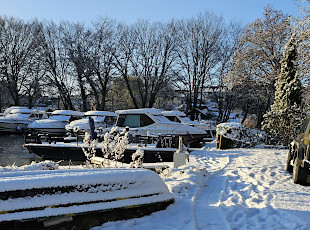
173 113
100 113
140 111
68 113
26 111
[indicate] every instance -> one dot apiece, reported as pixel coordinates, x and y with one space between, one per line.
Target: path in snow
253 192
230 189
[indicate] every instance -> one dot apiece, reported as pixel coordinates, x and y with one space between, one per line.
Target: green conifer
287 111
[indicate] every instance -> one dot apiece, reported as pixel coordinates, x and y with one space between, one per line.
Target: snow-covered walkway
230 189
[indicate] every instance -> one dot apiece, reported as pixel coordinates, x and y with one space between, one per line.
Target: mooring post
180 156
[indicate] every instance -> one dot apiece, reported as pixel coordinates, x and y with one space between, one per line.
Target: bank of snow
224 189
230 189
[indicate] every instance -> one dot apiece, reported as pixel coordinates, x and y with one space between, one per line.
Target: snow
245 188
229 189
15 117
152 111
68 113
25 111
238 132
173 113
108 188
100 113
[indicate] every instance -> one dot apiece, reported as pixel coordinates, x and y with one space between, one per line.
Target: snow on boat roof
152 111
100 113
8 110
173 113
68 113
26 111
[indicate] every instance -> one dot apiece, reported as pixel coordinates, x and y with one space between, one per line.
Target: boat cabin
136 118
66 115
105 116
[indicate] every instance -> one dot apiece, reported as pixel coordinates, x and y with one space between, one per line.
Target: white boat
180 117
102 120
55 124
151 122
8 110
18 119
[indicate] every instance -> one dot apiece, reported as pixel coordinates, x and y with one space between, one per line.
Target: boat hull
75 152
61 131
13 127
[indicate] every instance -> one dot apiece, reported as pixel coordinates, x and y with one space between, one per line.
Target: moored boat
55 124
18 119
180 117
156 149
102 120
147 122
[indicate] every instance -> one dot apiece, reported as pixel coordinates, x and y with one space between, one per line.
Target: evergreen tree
286 112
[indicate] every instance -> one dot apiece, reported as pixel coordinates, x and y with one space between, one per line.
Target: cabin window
109 120
73 118
134 120
145 120
173 118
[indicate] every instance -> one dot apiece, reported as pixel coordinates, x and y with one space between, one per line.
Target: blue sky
130 11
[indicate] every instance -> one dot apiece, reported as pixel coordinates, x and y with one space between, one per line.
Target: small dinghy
78 199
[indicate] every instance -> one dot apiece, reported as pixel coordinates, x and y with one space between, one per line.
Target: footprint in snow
252 175
263 170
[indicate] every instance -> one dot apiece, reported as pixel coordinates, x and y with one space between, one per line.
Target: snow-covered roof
68 112
140 111
100 113
26 111
173 113
8 110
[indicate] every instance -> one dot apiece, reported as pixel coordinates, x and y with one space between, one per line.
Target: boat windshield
59 117
134 120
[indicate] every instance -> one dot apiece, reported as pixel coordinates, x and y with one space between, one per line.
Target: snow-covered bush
90 144
114 146
229 135
137 159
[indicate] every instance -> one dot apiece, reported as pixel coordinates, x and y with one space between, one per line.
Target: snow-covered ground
229 189
244 188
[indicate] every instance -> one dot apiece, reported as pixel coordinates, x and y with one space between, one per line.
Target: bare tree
123 52
77 40
17 45
199 42
55 64
153 58
222 93
103 59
